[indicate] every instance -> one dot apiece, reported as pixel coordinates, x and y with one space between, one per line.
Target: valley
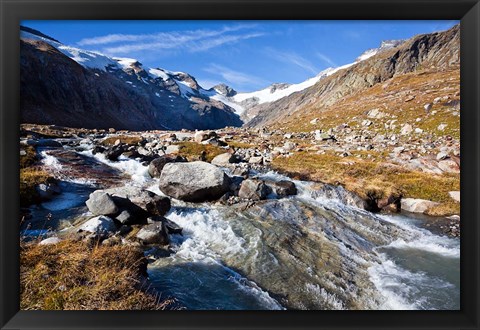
340 192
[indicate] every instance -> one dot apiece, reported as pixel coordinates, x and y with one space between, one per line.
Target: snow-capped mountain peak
385 45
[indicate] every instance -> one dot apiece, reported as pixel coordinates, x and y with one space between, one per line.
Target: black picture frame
13 11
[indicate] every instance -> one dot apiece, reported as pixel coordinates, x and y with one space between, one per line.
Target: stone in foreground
101 203
193 182
154 234
99 225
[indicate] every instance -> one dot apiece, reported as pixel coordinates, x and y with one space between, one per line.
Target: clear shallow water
300 252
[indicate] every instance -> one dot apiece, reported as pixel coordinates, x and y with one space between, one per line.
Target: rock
153 234
367 123
256 160
427 107
314 121
200 136
172 149
156 166
287 136
44 143
449 166
442 156
193 182
48 190
50 240
112 130
98 149
376 114
172 227
101 203
282 188
101 225
455 195
417 205
418 130
224 159
124 217
254 190
288 146
113 153
406 129
441 127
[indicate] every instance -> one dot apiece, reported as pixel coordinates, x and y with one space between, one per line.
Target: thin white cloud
292 58
234 77
188 40
228 39
162 36
326 59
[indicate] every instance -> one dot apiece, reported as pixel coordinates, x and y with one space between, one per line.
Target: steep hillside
68 86
428 52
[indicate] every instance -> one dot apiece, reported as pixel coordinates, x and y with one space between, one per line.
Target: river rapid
301 252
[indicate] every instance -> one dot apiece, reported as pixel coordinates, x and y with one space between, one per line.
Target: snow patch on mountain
85 58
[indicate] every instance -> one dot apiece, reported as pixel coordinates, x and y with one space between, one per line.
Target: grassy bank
71 275
369 177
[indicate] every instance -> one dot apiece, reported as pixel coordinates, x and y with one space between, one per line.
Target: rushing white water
132 167
214 263
206 240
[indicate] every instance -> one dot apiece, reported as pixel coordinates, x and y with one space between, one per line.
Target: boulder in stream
156 166
101 203
155 233
254 190
194 182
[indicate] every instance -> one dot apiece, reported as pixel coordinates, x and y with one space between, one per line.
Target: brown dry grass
389 97
370 177
72 276
192 150
29 158
29 178
125 139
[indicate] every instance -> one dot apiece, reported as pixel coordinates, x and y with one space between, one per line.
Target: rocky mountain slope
68 86
429 52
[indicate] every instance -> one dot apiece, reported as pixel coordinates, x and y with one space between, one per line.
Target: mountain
438 51
250 104
68 86
73 87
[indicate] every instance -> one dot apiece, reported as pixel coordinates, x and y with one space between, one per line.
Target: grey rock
254 190
417 205
101 225
153 234
282 188
193 182
101 203
156 166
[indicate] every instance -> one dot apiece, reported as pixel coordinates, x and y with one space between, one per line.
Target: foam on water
423 239
403 289
51 162
132 167
207 238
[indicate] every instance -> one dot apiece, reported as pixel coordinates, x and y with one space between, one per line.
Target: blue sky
247 55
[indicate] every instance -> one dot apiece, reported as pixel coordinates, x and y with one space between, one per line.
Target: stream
300 252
